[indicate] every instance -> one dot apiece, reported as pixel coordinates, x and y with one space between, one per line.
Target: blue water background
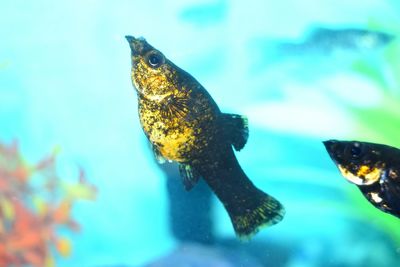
65 80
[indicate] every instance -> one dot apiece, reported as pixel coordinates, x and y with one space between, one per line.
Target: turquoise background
65 80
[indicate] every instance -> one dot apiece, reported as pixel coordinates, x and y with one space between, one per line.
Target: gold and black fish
374 168
185 125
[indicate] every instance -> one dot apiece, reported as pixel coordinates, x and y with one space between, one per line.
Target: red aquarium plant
34 203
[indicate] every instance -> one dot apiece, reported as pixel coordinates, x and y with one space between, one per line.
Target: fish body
373 168
327 40
179 125
185 125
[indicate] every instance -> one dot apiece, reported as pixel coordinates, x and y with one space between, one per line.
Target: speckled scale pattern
362 168
185 125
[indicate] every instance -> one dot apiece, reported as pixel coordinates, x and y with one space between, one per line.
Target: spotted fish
184 124
374 168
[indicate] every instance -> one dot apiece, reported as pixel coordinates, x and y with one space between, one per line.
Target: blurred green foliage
380 123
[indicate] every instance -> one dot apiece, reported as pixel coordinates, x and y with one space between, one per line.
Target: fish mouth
136 44
130 38
331 145
332 148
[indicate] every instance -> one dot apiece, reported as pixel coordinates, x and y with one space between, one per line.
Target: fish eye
356 150
155 59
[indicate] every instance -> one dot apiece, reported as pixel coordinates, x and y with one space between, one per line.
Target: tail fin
248 207
260 210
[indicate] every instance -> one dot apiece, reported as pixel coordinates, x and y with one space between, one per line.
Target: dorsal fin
236 129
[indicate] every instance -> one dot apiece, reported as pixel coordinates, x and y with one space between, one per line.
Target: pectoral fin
189 176
236 129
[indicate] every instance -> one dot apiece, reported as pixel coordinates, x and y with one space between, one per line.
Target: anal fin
236 129
189 176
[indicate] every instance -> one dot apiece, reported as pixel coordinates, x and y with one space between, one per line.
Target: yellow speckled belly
173 138
176 144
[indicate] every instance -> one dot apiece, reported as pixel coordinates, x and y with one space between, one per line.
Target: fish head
152 73
361 163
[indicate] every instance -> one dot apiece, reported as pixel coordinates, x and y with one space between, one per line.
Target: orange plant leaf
62 212
31 210
26 240
21 173
34 257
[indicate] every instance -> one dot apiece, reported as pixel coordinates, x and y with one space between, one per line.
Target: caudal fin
249 208
255 212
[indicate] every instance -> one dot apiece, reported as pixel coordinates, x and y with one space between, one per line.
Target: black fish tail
248 207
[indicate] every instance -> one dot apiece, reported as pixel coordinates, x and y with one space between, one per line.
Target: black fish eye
155 59
356 150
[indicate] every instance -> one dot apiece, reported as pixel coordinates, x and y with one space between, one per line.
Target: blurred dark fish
343 44
374 168
327 40
185 125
